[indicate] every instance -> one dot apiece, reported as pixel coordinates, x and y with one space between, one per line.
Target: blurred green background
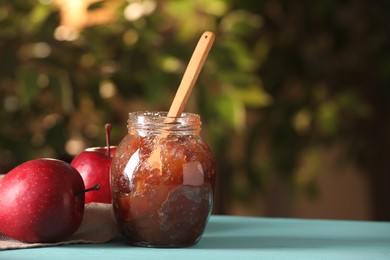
287 85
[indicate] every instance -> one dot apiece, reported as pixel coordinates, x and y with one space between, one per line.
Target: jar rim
160 114
160 119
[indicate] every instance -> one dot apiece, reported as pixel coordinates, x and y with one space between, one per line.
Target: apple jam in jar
162 180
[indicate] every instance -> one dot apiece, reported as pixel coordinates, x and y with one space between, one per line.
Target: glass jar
162 180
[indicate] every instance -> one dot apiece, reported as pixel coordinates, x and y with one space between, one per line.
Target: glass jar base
152 245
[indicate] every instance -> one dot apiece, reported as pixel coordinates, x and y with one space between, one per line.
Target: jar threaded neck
158 122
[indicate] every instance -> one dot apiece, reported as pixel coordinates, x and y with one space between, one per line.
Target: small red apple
41 200
94 165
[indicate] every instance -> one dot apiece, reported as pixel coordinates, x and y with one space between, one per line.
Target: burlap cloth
98 226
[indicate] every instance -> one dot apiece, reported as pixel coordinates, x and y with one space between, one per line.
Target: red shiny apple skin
94 165
41 200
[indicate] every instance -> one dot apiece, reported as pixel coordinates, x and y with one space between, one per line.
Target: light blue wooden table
229 237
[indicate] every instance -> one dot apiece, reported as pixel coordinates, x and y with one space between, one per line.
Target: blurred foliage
284 79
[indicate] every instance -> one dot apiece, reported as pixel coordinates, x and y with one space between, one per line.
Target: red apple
94 165
41 200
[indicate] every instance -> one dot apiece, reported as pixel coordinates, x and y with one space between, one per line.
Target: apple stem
108 128
95 187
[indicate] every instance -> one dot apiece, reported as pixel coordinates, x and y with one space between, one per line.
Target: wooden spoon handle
191 74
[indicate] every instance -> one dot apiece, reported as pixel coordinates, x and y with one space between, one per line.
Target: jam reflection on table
162 189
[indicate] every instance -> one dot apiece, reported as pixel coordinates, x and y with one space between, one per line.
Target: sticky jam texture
162 189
